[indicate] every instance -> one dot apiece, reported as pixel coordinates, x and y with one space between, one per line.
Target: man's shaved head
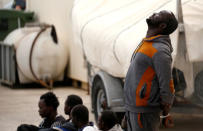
163 17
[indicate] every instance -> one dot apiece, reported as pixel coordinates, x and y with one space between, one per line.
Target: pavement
20 105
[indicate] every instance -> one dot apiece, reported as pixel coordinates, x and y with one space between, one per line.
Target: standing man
148 88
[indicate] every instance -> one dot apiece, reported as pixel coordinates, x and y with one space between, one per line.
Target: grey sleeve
162 64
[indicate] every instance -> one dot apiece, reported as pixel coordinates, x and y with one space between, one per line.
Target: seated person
108 122
48 105
80 118
19 4
71 101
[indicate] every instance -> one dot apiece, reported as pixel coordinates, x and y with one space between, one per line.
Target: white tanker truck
108 31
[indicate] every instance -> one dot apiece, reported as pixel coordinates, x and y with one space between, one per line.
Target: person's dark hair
50 99
172 24
109 118
26 127
80 113
73 100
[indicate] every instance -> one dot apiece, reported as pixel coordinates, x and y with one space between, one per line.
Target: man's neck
52 117
151 33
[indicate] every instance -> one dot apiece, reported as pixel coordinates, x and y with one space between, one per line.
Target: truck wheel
198 85
100 99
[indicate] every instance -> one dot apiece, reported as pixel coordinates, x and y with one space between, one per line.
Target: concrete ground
19 106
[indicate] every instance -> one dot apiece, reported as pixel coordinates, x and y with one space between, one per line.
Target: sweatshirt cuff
167 99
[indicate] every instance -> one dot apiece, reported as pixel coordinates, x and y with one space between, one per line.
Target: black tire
199 86
99 98
179 80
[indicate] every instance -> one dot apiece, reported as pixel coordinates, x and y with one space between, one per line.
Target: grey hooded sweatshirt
149 78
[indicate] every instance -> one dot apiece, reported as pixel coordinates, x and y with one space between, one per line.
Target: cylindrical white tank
46 61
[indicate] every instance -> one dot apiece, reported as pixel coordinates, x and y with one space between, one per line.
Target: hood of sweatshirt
164 39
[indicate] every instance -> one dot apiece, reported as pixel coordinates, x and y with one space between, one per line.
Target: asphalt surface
20 105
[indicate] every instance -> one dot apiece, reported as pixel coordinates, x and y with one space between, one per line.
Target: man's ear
50 108
162 25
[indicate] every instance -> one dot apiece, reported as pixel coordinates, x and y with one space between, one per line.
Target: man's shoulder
160 46
58 121
68 126
60 118
163 46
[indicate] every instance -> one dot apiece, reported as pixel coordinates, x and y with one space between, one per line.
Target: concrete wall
58 12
